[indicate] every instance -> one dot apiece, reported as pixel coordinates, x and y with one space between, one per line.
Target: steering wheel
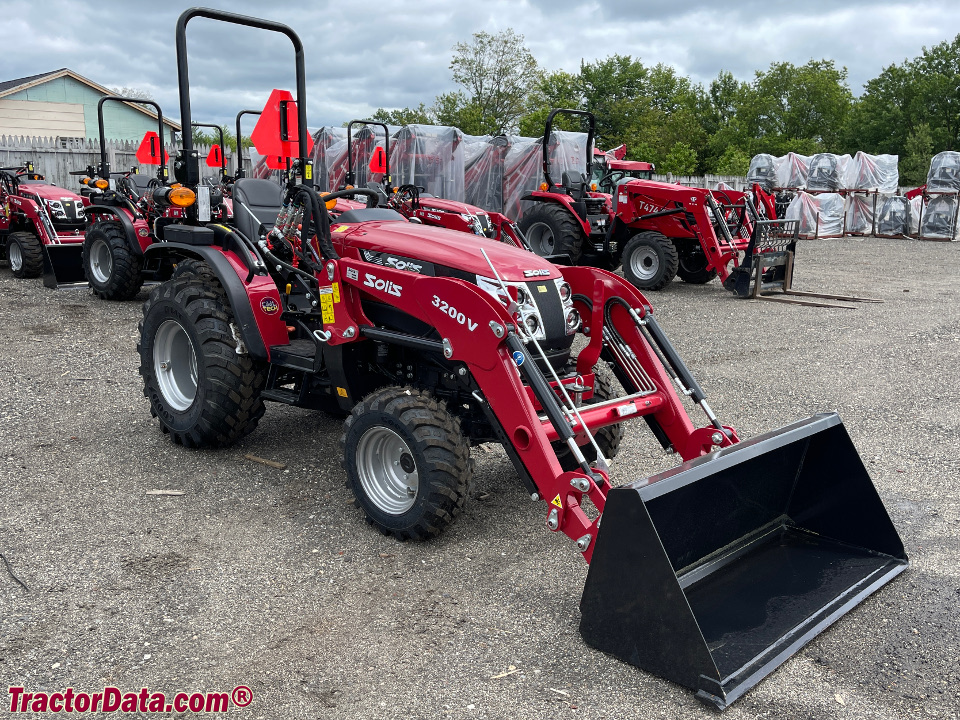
611 178
405 194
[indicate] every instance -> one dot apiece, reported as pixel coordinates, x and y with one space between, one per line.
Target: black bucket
63 266
714 573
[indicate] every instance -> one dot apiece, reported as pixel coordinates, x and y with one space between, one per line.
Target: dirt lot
269 577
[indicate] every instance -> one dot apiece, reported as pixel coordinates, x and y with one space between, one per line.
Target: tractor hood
450 206
45 191
436 251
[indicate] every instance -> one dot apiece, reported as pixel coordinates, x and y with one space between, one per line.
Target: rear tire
608 438
693 268
112 269
201 391
650 260
551 230
25 255
407 462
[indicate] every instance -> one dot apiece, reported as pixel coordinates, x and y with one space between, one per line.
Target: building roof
8 87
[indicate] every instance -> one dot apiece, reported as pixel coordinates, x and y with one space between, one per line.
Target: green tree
936 74
404 116
681 160
615 90
558 89
734 161
497 71
917 152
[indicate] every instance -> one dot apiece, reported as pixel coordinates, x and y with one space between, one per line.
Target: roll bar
104 170
546 140
187 166
223 158
239 171
386 134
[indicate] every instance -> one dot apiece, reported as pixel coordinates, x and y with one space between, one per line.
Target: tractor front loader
711 575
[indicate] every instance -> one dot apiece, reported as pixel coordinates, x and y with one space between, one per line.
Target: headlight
565 291
573 321
532 324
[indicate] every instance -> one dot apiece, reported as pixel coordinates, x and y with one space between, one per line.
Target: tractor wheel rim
16 256
541 239
388 473
101 261
645 263
175 365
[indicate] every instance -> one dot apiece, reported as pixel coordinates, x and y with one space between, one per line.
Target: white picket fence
54 161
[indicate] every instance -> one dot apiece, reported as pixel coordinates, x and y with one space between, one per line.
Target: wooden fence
54 161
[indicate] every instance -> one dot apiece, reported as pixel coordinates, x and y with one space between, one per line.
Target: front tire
201 391
25 255
407 462
551 230
650 260
112 269
693 268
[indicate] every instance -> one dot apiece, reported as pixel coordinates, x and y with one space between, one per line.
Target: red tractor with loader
655 230
41 225
471 341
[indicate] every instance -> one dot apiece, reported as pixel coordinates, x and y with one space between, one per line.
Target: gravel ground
269 577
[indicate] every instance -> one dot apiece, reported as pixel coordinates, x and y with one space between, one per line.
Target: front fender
124 219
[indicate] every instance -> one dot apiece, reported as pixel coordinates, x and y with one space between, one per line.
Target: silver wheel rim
541 239
101 261
387 470
644 263
175 365
16 256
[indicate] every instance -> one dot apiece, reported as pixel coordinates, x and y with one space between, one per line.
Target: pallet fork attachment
768 268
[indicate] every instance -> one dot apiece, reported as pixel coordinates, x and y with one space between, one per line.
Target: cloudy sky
364 55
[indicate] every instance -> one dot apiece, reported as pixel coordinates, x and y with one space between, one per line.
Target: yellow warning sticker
326 310
336 292
541 288
308 171
341 228
557 501
342 392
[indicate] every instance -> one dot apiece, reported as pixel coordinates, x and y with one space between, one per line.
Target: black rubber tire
658 248
608 438
567 233
438 448
31 254
195 270
693 268
126 276
227 404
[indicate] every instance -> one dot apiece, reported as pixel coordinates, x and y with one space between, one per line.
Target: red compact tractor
41 225
711 574
655 230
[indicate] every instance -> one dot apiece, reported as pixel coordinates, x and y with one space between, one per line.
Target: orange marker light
182 197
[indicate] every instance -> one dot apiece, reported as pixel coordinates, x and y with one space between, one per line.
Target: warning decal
557 501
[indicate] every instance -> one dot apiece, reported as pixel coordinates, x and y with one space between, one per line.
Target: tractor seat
140 183
256 204
574 182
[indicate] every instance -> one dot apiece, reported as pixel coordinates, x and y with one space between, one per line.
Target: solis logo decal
269 306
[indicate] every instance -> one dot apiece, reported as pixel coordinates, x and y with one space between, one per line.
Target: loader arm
477 330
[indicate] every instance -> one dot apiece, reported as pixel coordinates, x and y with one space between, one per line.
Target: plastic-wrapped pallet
944 175
763 171
330 157
483 170
523 166
820 216
860 212
825 172
893 217
872 172
430 157
792 171
939 220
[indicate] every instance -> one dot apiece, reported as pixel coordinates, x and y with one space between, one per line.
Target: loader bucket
714 573
63 266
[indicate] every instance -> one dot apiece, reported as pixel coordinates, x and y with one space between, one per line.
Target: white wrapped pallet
879 173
